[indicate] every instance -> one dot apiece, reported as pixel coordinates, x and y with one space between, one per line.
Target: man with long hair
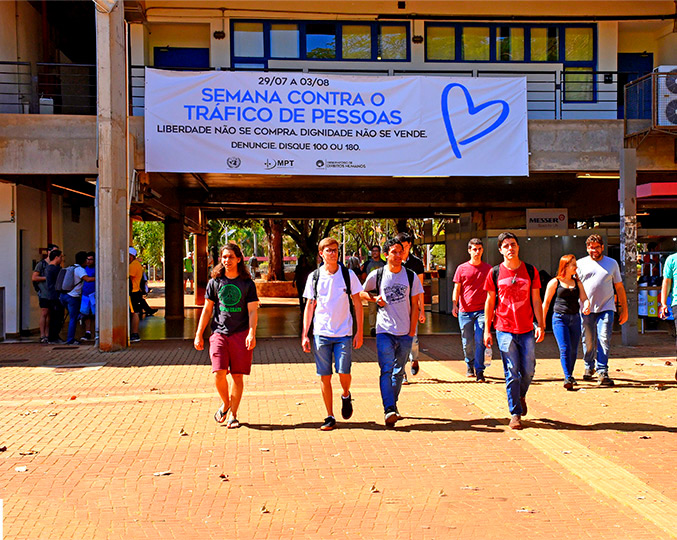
232 300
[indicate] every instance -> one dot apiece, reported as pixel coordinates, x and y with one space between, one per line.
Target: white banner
310 124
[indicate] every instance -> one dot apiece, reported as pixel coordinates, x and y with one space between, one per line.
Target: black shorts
136 298
44 303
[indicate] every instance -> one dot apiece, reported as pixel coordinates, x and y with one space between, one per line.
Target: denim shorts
340 347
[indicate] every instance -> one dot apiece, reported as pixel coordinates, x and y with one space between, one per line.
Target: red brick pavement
447 471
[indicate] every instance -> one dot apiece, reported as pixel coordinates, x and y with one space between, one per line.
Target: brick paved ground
596 463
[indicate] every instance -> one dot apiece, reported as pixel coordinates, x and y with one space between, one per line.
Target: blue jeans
597 328
393 352
567 330
472 337
72 304
518 352
341 348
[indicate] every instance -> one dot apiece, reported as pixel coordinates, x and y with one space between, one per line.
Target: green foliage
148 237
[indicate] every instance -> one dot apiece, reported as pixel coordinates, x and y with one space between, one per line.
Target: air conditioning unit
666 96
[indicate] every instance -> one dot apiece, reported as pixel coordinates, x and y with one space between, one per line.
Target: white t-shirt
332 311
395 317
79 272
598 279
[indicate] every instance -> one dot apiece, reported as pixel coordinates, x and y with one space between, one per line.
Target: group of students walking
506 296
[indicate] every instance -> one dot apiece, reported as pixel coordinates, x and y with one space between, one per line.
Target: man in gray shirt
396 291
601 278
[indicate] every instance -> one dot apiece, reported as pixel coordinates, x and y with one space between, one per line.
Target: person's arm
454 299
88 279
415 306
421 303
489 317
359 318
549 293
538 311
622 302
665 288
585 302
307 319
253 309
205 316
36 277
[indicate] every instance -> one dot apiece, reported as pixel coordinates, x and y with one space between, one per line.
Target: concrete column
628 226
112 259
200 264
173 268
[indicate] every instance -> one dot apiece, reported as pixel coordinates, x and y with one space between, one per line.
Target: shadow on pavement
547 423
431 424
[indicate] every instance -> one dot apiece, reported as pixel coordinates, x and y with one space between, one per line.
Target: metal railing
651 104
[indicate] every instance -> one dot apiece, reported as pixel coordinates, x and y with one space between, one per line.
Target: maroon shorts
230 353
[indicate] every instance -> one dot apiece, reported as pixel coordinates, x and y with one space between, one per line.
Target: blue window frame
254 43
521 43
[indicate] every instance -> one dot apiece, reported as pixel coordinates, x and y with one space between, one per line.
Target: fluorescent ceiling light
599 176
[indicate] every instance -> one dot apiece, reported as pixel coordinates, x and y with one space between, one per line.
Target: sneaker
391 416
470 371
399 416
603 379
480 376
414 367
569 383
57 341
404 378
134 338
676 374
515 422
151 312
588 373
523 401
347 406
329 424
44 340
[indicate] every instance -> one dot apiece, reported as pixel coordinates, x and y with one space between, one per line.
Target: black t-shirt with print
230 297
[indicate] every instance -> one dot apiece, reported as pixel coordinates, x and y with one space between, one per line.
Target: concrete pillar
200 264
112 259
173 268
628 226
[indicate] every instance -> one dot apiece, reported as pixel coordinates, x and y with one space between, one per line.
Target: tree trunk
274 229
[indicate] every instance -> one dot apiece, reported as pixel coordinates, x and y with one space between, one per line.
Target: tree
275 229
307 234
149 239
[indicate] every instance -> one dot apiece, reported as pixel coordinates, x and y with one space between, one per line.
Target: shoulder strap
379 278
315 276
346 278
531 271
494 275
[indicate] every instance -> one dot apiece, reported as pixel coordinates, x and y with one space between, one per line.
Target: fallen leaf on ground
21 469
470 488
264 449
442 493
668 363
183 432
526 510
53 414
603 405
162 473
644 437
264 510
373 489
3 449
154 389
74 397
659 386
28 453
224 476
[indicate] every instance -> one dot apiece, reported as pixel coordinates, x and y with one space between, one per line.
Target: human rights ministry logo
234 162
319 164
229 295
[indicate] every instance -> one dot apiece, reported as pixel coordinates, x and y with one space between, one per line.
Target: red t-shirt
513 311
471 279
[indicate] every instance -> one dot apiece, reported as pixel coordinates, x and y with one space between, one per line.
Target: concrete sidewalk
92 430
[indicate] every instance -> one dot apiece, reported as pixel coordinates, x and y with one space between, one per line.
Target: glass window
545 44
509 44
578 44
284 40
356 41
578 84
392 42
475 43
248 39
441 43
320 40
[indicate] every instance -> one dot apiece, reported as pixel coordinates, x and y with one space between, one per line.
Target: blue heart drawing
472 110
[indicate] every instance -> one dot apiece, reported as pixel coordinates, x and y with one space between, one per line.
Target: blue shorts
340 347
88 305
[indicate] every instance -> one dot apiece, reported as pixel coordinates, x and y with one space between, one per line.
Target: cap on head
132 251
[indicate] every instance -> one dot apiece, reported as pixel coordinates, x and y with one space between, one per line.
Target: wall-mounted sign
314 124
548 218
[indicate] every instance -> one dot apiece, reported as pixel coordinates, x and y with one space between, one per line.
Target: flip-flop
233 423
221 415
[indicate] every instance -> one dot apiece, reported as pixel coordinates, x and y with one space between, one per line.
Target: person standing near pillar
601 278
513 299
231 303
188 272
669 288
40 284
135 293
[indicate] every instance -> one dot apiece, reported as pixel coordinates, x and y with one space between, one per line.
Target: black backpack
315 277
530 270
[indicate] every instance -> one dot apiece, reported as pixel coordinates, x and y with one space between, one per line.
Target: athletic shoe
404 378
347 406
470 371
134 338
414 367
569 383
44 340
515 422
523 401
151 312
480 376
603 379
391 416
588 373
329 424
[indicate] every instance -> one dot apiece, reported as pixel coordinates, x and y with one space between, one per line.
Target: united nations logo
234 162
229 295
